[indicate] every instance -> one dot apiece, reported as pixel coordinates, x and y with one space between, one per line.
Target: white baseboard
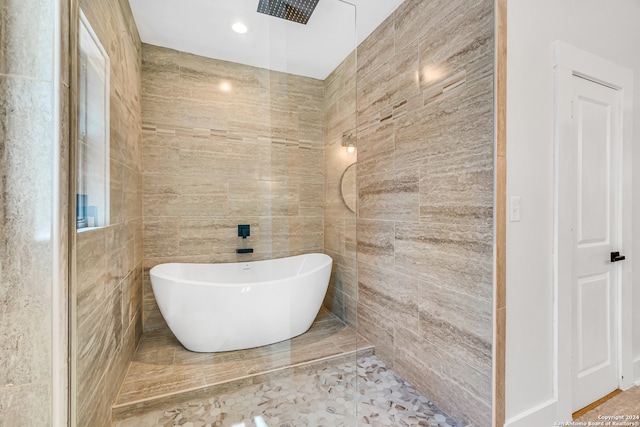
545 414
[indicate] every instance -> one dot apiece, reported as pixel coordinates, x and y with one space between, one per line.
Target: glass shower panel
299 125
243 170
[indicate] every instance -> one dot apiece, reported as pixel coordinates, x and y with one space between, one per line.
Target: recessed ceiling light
239 27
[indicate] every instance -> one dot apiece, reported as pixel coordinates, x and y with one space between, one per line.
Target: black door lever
615 256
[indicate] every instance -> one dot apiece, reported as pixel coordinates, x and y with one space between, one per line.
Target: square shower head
292 10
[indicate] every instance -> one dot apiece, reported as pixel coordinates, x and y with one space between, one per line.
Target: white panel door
596 168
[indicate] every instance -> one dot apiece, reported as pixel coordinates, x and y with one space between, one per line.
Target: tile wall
27 149
227 144
108 290
425 194
339 220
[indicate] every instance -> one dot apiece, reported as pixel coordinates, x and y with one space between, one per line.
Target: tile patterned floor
321 397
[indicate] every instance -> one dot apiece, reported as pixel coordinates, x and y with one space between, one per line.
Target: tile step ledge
125 410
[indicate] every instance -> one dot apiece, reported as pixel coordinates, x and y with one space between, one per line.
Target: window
92 198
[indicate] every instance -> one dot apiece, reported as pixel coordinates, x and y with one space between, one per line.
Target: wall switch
514 211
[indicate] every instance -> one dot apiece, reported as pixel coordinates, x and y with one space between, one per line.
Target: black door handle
615 256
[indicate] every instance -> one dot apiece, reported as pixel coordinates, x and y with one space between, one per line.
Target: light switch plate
514 210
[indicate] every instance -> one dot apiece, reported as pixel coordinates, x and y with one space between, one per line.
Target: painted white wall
609 29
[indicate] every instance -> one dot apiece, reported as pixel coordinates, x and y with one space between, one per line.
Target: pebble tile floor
319 398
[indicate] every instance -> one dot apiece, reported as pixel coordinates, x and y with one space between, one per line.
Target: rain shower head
292 10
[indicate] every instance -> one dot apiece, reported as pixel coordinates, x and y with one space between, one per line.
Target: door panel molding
570 62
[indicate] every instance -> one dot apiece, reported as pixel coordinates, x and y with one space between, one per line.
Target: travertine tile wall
425 178
108 289
28 147
227 144
340 221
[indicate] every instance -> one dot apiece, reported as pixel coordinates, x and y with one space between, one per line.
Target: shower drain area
324 396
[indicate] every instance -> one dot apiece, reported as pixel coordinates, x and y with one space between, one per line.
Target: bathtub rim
328 260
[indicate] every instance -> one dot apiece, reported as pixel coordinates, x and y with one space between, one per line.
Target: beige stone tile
392 294
305 165
161 154
137 239
116 193
447 395
161 237
350 236
395 83
376 148
350 311
334 236
186 113
132 296
458 41
119 250
148 363
411 346
135 182
29 404
220 373
335 206
389 196
346 281
458 259
334 299
465 311
117 126
310 199
152 318
469 143
185 196
91 267
203 78
157 341
119 367
306 234
410 134
95 340
228 158
376 49
160 71
414 19
25 264
376 242
94 409
159 385
468 347
311 125
262 198
376 329
17 51
200 236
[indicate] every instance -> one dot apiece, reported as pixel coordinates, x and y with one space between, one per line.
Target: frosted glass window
92 196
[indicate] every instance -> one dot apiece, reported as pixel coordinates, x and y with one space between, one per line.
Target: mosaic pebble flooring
319 398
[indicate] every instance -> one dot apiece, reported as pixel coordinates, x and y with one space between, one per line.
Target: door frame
570 61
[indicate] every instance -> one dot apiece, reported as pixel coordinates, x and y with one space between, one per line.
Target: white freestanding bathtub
222 307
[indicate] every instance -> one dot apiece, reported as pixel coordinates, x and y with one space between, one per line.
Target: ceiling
203 27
